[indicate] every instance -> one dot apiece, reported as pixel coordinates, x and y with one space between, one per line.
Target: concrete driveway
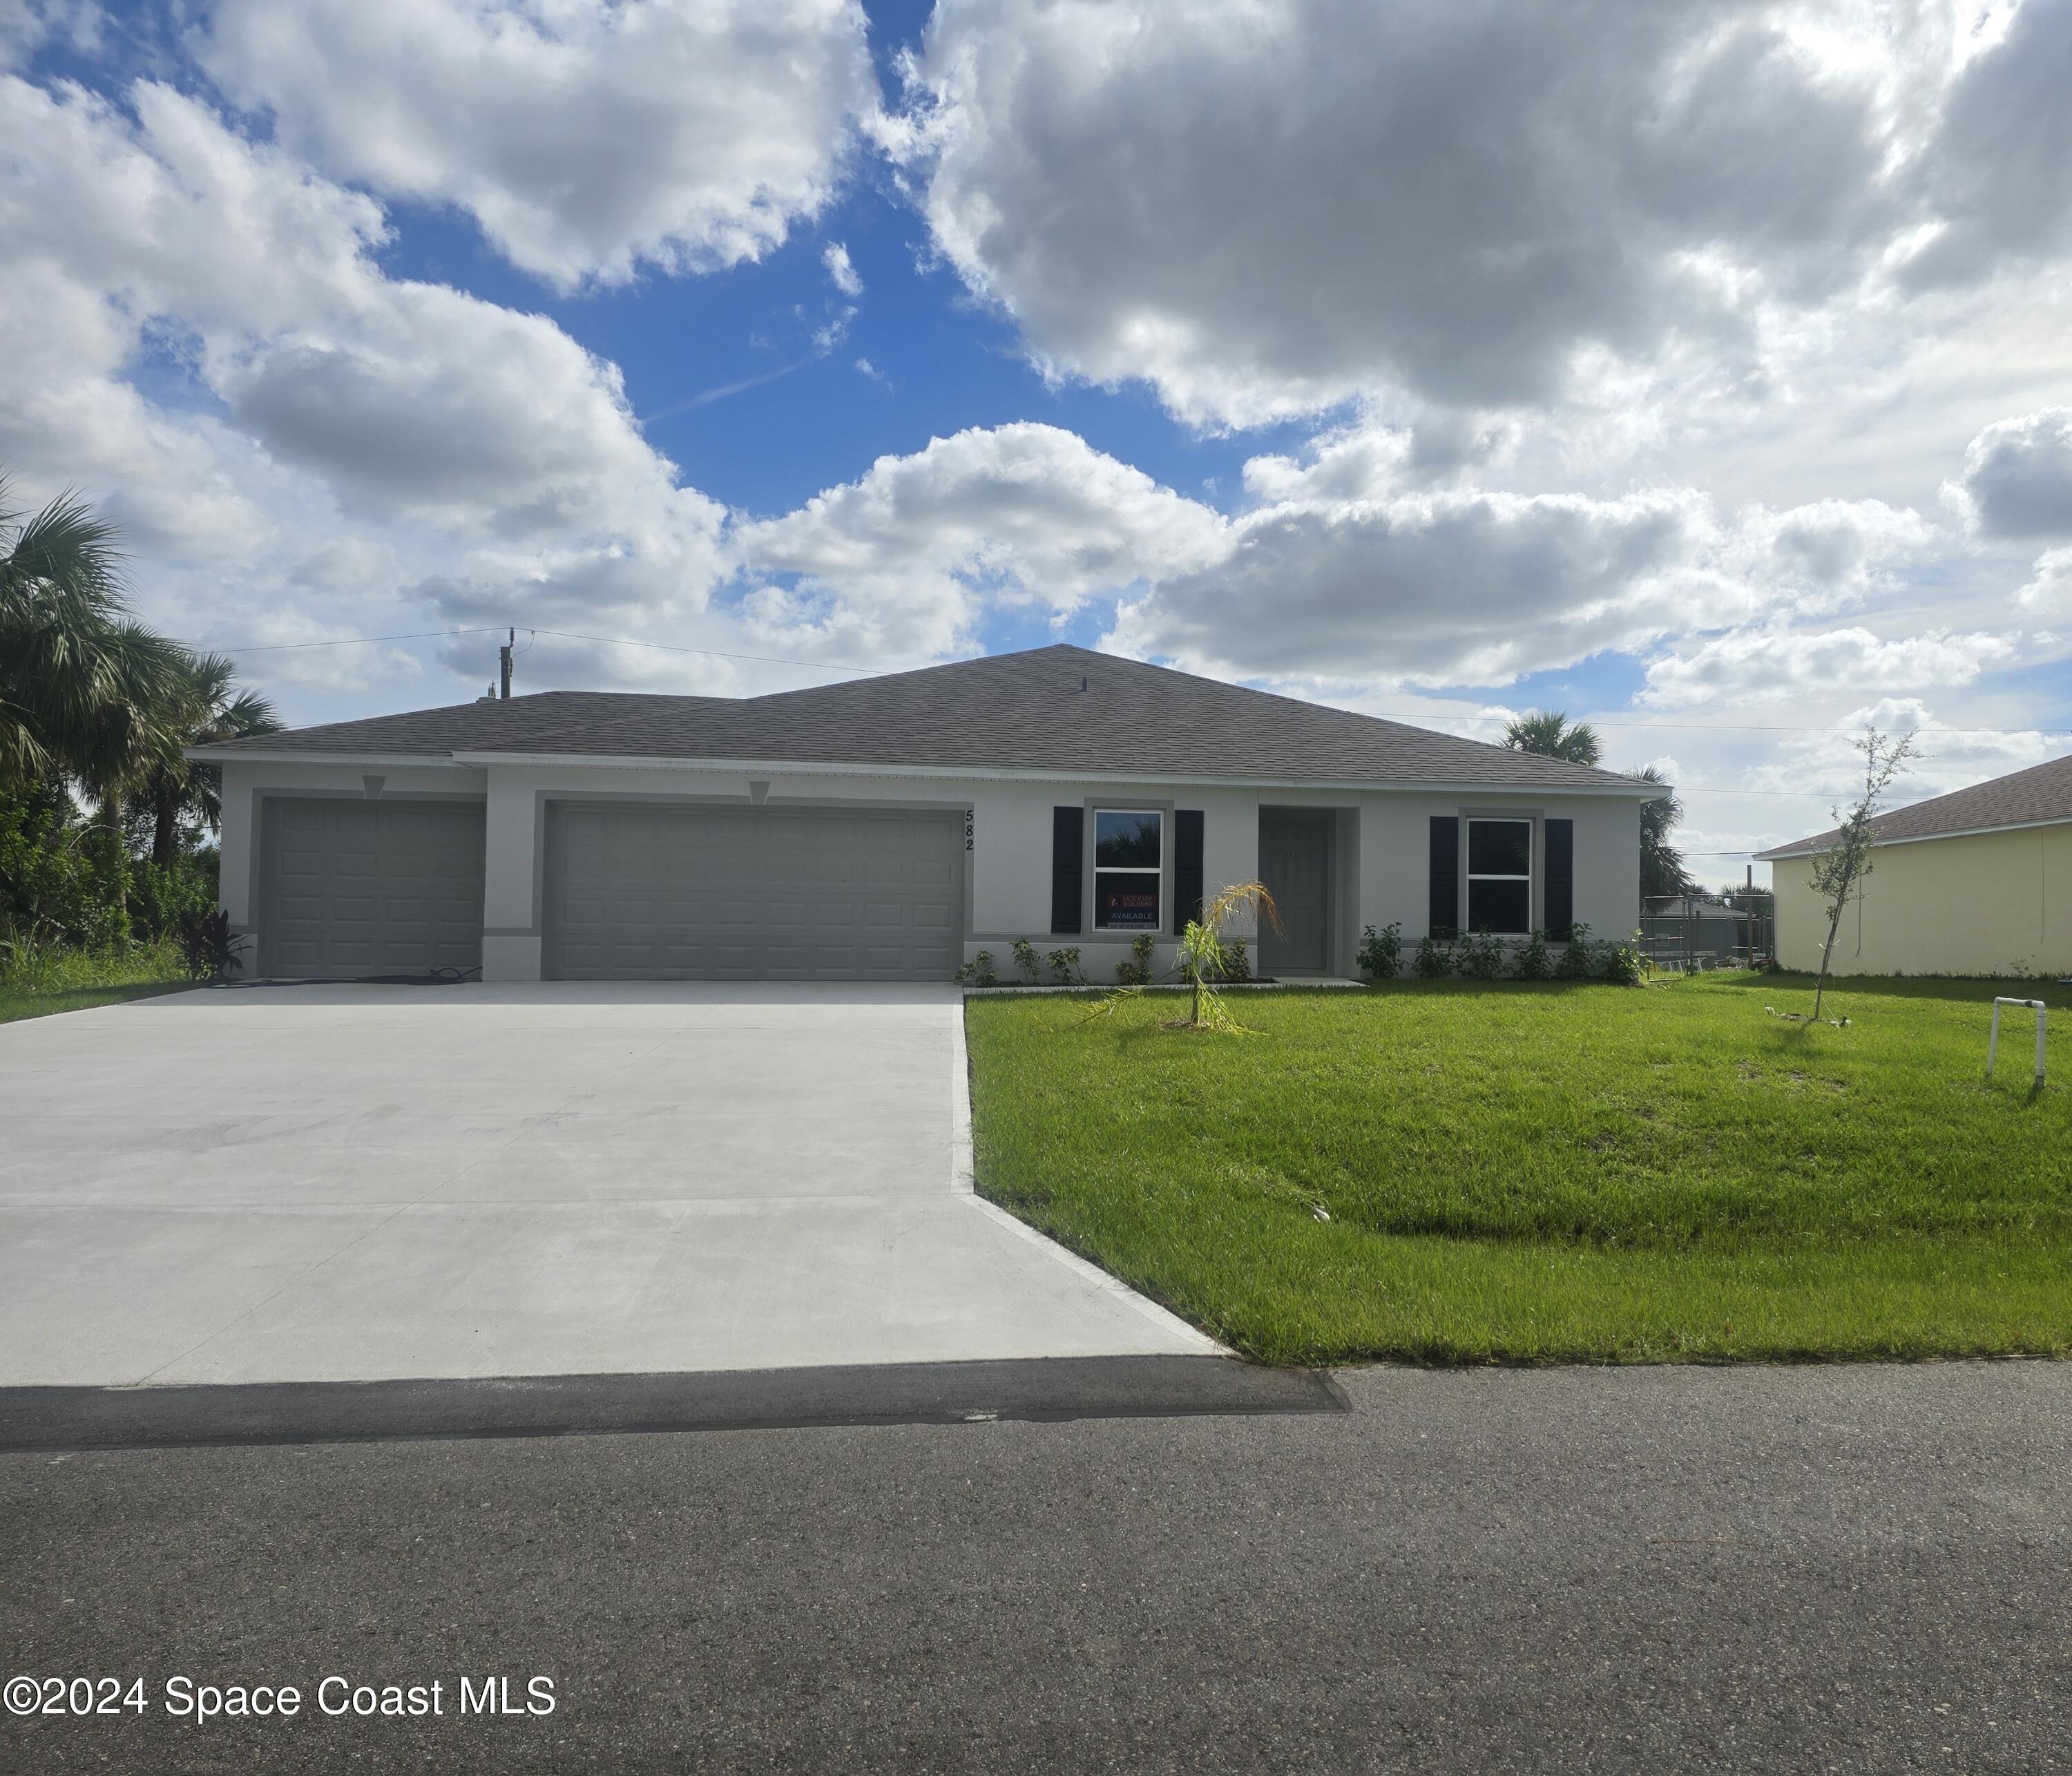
361 1183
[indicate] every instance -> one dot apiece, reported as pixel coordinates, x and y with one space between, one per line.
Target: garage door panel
354 888
738 893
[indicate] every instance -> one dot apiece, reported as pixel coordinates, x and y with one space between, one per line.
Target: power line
337 641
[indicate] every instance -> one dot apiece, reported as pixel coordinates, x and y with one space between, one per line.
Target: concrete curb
1048 1390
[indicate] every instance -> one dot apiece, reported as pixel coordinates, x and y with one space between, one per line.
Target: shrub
60 882
1482 956
1533 961
1065 967
1621 962
1434 960
207 946
1381 952
1026 959
163 902
64 880
1136 971
1237 960
978 972
1575 960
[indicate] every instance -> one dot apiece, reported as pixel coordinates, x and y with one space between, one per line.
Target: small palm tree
1203 959
1551 733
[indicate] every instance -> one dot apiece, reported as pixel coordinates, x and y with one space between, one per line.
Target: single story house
1979 881
892 827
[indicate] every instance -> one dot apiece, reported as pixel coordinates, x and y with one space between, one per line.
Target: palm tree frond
1550 733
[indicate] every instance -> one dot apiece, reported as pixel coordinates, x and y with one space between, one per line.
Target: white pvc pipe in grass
1993 1042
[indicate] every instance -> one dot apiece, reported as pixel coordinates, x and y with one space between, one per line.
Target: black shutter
1068 845
1560 878
1186 867
1445 911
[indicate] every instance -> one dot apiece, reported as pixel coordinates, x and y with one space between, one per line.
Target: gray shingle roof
2023 798
1021 711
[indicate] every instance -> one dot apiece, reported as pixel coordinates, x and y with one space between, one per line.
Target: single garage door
350 888
657 892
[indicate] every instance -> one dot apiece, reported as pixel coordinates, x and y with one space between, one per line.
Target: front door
1295 864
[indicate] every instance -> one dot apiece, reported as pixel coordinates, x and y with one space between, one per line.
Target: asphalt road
1649 1570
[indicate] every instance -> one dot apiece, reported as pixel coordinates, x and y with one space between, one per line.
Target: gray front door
1295 864
353 888
652 891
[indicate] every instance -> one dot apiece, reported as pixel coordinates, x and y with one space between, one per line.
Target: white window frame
1157 873
1470 875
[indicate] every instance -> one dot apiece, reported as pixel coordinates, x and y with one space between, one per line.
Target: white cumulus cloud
911 553
2017 478
1785 663
1265 208
585 137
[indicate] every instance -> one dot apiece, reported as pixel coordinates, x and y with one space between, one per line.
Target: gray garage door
355 887
739 894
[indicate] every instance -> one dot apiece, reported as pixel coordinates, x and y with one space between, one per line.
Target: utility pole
504 663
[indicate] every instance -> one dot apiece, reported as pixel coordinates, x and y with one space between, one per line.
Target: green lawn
50 981
1522 1173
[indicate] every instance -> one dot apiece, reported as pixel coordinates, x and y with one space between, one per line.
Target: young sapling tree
1840 866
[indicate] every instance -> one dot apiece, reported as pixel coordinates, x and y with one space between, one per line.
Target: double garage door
674 893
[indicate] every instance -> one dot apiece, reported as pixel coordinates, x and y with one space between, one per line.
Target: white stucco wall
1009 883
1396 856
1383 840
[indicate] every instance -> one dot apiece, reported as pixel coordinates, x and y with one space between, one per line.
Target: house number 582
968 829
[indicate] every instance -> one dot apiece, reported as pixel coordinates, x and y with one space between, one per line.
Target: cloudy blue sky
1703 369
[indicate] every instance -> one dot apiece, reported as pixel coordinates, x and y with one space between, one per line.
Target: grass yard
1547 1171
51 981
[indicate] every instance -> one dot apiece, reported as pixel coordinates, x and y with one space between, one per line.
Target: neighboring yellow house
1976 882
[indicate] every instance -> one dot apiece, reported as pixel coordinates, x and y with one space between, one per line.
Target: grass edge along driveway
80 982
1467 1172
